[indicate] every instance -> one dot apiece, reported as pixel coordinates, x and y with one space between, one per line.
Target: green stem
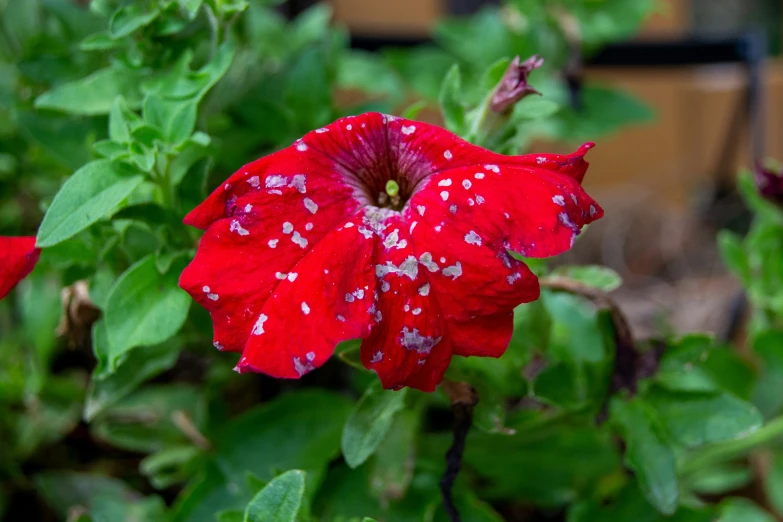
485 122
167 187
723 451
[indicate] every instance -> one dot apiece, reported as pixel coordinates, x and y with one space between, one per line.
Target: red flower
18 257
313 245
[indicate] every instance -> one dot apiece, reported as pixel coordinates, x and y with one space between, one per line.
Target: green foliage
279 501
369 422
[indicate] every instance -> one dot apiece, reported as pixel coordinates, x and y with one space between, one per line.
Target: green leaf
176 119
279 501
130 18
119 130
450 104
360 70
96 93
139 365
106 498
101 41
169 466
93 192
733 255
144 307
394 459
694 419
766 395
191 7
570 459
720 479
742 510
180 83
630 506
62 137
231 515
297 430
773 483
533 108
595 276
147 420
369 422
648 453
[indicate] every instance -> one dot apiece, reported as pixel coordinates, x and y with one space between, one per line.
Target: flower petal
531 210
328 301
407 346
18 257
486 336
273 214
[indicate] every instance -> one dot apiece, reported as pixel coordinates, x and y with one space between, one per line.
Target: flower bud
513 86
769 182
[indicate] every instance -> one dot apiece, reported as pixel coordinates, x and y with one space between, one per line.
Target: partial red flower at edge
304 248
18 257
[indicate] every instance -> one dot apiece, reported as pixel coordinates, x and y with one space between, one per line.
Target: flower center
391 198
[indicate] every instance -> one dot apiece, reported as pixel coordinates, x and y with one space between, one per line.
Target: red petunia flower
18 257
385 229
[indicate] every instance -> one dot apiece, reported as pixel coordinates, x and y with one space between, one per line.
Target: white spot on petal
288 227
309 226
445 182
258 329
478 175
559 200
311 205
236 227
453 271
301 147
302 367
466 183
292 276
426 260
377 357
275 181
424 290
254 181
420 209
281 275
493 168
272 243
305 308
444 195
416 311
447 155
299 240
299 183
408 130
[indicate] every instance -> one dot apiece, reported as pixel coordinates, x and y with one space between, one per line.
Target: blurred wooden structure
671 158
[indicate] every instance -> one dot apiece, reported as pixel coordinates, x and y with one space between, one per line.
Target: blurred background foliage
117 117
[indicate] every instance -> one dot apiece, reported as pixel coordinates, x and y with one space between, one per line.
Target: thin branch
463 399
